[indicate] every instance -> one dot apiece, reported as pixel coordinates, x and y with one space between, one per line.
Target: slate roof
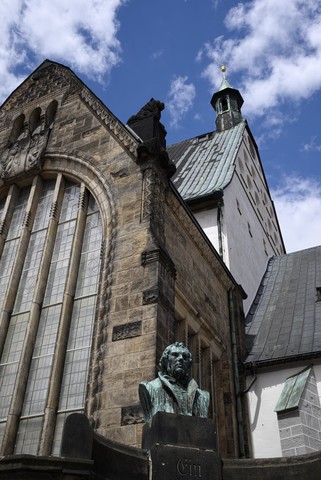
284 321
205 164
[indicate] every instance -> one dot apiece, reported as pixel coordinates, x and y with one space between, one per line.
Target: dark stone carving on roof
152 108
146 124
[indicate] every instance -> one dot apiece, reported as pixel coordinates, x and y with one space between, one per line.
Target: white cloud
215 3
180 99
298 204
81 33
157 54
276 47
312 146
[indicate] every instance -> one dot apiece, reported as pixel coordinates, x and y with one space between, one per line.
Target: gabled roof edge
117 128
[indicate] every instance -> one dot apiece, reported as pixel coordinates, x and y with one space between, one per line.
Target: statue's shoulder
152 385
203 393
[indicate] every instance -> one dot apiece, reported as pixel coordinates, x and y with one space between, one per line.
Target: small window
238 206
264 245
249 229
318 294
34 120
224 105
251 147
51 113
17 129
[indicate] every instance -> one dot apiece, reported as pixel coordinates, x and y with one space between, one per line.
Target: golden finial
223 70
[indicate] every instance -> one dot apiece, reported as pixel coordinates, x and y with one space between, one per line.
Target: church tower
228 192
227 103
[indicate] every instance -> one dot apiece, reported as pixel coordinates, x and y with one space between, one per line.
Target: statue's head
176 361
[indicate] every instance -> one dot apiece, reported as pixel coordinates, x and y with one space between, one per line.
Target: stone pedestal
182 447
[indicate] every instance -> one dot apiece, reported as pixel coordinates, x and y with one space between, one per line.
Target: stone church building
102 265
110 251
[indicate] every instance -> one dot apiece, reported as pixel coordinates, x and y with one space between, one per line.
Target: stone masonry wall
300 430
201 278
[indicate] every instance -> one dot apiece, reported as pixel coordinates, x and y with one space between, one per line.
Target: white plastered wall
248 225
262 399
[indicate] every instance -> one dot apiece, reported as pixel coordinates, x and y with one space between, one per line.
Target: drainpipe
219 230
239 415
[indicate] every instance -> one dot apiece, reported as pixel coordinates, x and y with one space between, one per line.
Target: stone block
77 437
289 419
127 330
312 422
285 432
296 430
314 444
311 432
180 430
293 442
290 452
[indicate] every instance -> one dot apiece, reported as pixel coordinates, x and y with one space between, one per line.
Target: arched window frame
224 104
102 192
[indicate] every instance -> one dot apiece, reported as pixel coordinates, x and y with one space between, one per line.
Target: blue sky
128 51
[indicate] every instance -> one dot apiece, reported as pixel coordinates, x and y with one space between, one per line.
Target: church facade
102 265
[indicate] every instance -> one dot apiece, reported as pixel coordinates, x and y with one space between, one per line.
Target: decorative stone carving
174 391
131 415
120 132
127 330
24 155
152 108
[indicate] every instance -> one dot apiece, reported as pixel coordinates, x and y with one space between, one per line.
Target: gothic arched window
50 249
17 129
224 105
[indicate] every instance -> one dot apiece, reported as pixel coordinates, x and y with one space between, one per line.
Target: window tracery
52 247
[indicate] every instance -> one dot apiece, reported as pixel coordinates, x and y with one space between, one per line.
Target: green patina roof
225 84
292 391
206 164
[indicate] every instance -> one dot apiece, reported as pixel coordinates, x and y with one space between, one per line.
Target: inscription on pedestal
186 468
181 463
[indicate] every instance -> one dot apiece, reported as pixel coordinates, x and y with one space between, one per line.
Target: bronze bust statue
174 391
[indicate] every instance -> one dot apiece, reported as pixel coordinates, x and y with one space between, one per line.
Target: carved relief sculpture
174 391
37 146
25 154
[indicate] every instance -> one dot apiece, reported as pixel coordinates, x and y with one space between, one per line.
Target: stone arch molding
100 185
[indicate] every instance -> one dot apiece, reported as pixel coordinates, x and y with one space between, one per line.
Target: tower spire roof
227 102
225 83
